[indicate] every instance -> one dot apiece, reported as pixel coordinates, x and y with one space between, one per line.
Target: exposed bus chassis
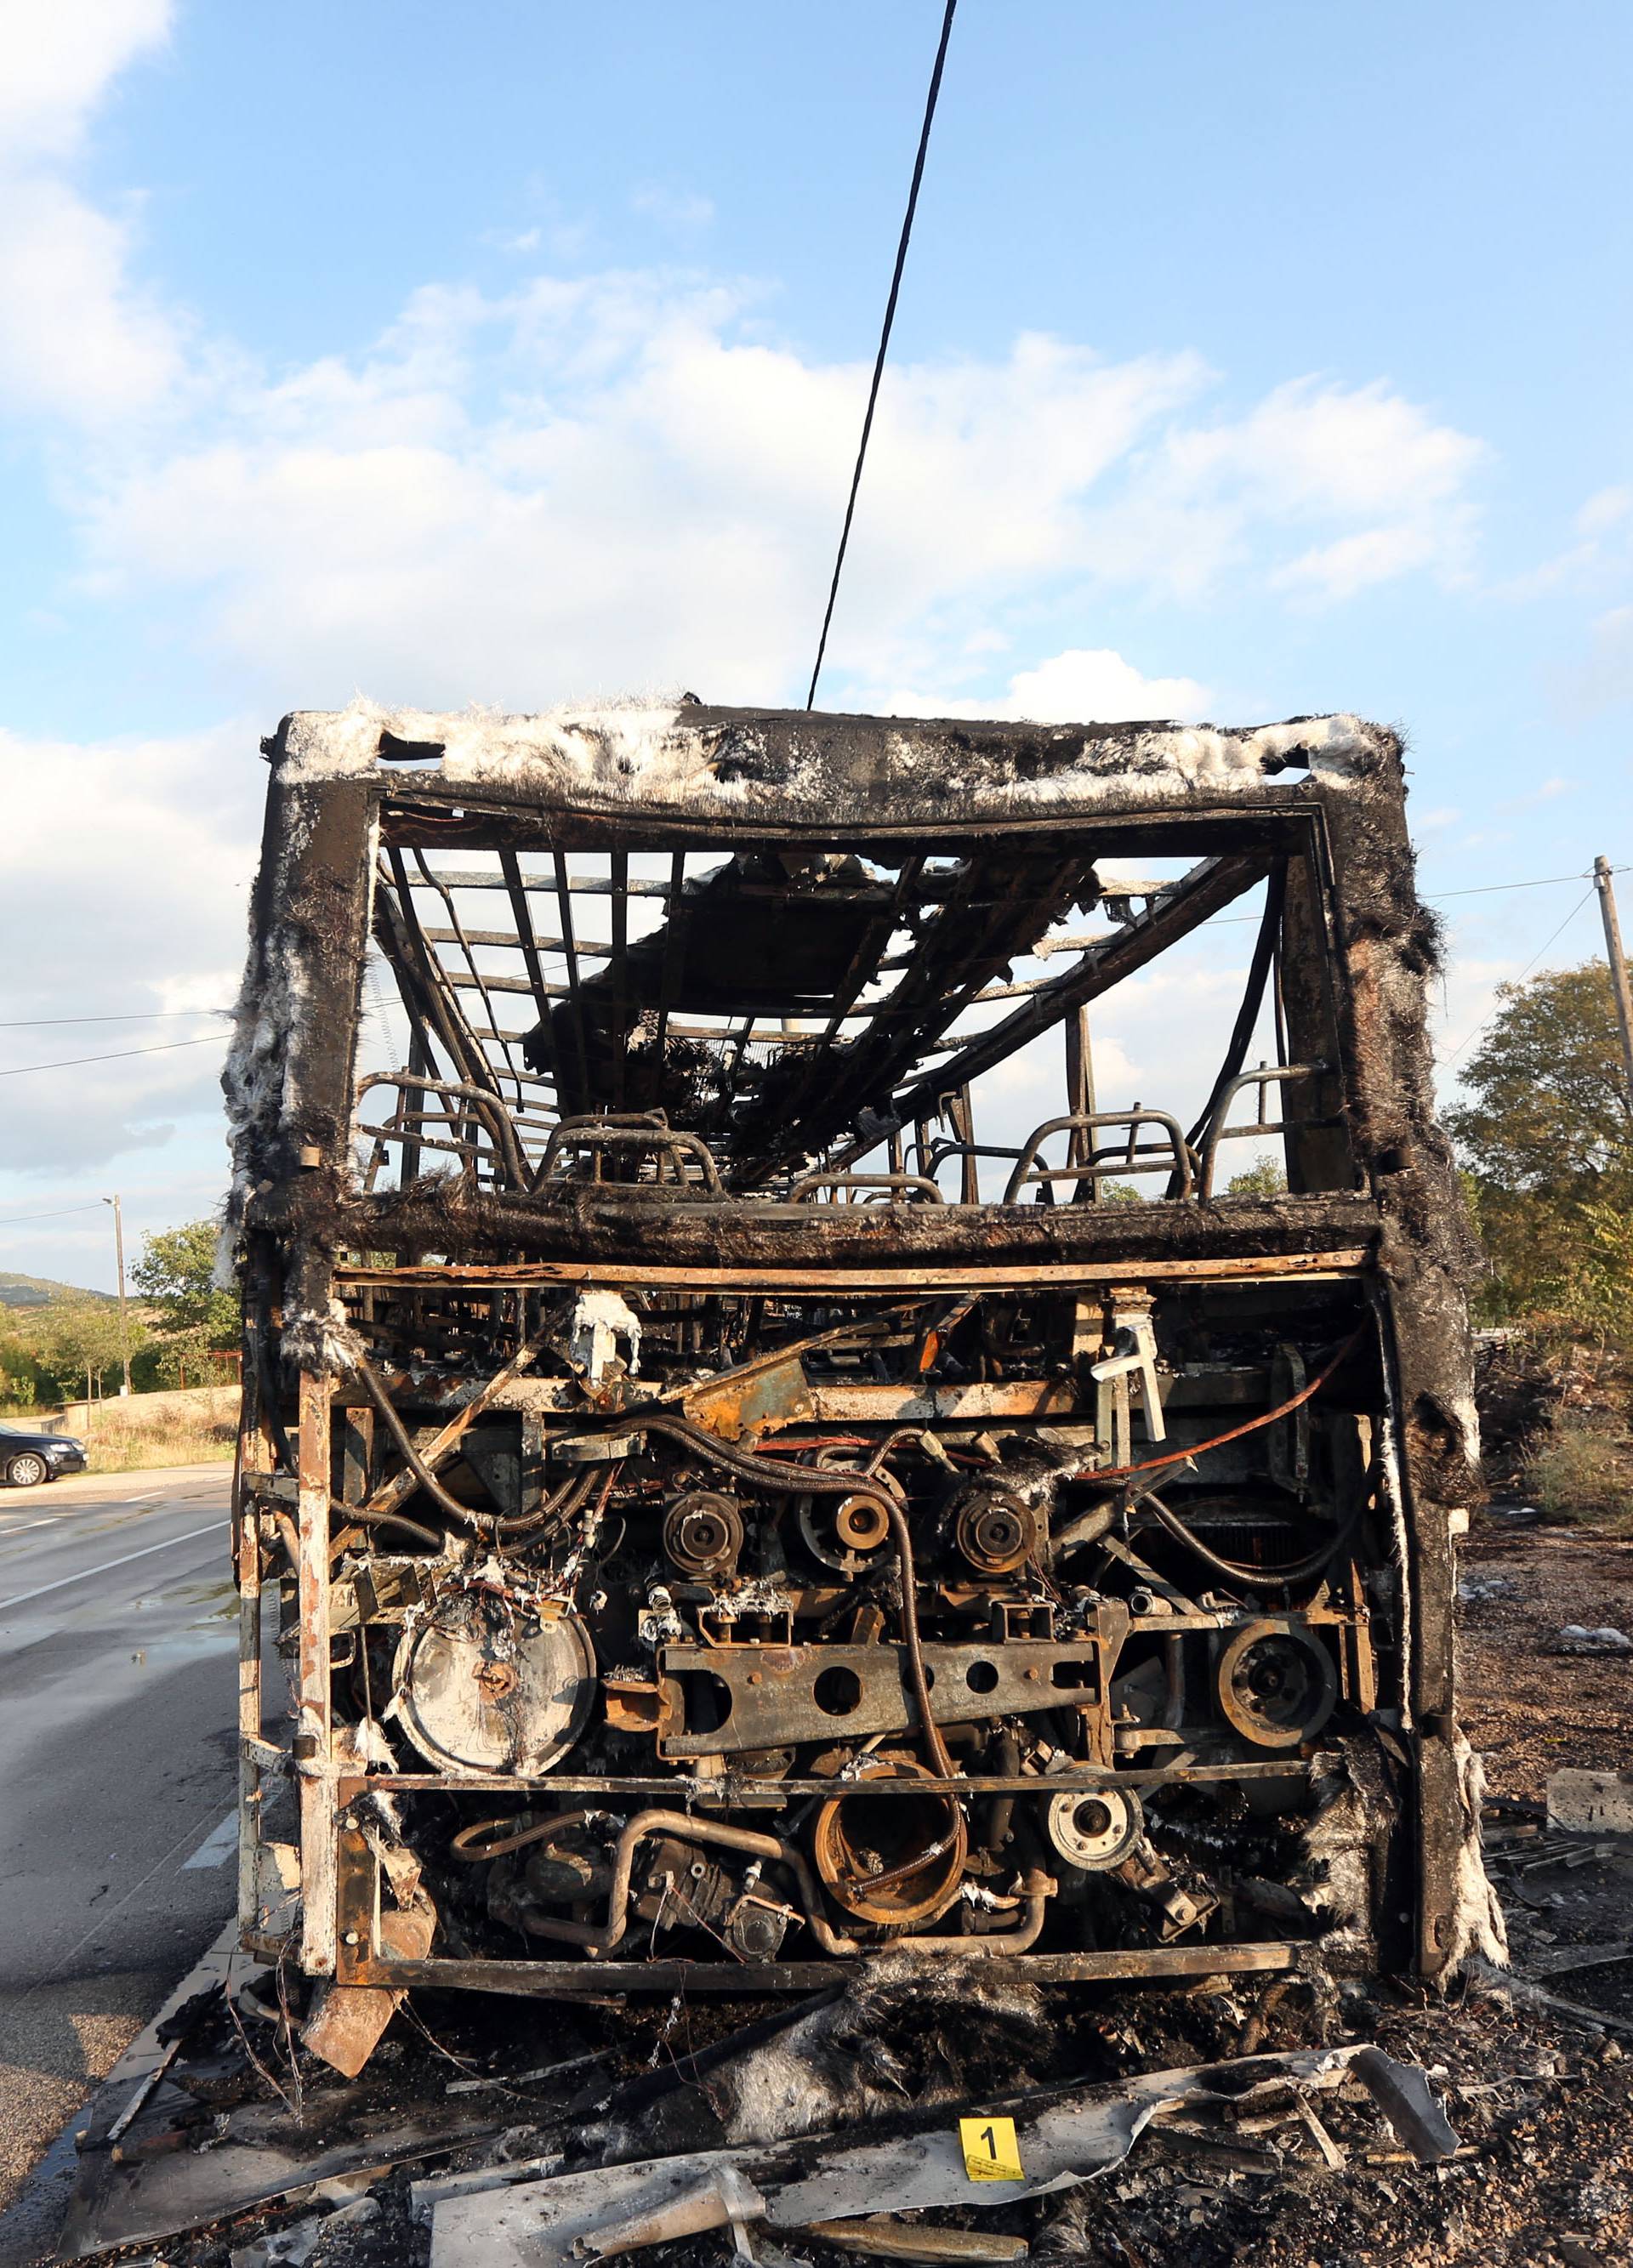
726 1513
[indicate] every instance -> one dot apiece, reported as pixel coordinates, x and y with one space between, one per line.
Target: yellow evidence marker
991 2152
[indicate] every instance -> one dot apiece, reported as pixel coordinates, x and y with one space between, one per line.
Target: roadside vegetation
1546 1143
124 1437
56 1351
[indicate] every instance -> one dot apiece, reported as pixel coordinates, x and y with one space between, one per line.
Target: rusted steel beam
732 1787
566 1980
840 1282
529 941
312 1723
620 875
569 945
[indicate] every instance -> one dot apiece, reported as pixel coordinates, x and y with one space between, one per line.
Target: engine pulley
1096 1830
703 1533
996 1532
847 1533
1277 1683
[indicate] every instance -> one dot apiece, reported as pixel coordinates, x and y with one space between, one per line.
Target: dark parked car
27 1459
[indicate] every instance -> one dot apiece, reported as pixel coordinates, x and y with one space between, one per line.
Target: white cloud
1099 685
124 868
1386 488
1084 685
682 213
56 63
1604 680
624 477
1605 509
619 480
79 341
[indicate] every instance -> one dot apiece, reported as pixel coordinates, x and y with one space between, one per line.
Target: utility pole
124 1315
1618 968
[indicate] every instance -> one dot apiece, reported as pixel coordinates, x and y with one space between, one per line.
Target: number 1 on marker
991 2152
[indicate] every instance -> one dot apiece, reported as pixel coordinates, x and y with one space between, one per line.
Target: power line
1447 1061
72 1063
1483 889
1435 897
884 341
139 1016
11 1219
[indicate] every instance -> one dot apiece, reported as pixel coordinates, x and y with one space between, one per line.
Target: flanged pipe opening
894 1859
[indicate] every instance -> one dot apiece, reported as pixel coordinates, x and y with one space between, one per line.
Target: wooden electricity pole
1618 968
124 1312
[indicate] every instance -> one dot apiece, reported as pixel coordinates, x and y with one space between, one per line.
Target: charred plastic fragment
736 1500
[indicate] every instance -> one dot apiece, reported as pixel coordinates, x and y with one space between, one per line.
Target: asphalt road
118 1646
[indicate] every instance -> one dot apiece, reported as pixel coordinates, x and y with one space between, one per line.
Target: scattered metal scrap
1070 2137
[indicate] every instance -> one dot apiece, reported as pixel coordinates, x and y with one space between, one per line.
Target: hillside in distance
40 1290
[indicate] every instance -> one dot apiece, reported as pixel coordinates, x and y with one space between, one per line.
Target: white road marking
218 1846
85 1573
22 1527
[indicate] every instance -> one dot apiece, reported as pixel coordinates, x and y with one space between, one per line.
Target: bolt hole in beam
838 1692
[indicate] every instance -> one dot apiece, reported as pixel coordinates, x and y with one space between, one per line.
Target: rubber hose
466 1514
1257 1577
362 1517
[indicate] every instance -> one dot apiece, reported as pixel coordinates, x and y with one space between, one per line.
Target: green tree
1547 1108
1546 1143
1264 1178
75 1335
175 1277
19 1373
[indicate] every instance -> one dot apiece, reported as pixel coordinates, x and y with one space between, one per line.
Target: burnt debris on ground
1272 2161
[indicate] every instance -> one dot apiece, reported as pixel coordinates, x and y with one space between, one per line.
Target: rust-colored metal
895 1864
682 1374
884 1280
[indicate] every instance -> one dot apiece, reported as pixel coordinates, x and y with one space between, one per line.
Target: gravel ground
1528 1708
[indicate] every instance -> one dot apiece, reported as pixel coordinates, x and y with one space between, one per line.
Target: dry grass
121 1444
1581 1469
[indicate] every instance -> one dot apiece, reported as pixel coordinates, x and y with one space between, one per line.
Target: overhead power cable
1478 890
1446 1061
1484 889
129 1016
11 1219
884 341
119 1055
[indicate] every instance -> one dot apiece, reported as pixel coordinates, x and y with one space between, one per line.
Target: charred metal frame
743 1061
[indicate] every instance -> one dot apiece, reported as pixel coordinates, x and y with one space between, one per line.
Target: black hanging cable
884 341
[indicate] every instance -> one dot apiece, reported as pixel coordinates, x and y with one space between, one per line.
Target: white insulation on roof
674 756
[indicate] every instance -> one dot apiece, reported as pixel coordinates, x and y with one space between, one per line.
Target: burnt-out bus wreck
735 1493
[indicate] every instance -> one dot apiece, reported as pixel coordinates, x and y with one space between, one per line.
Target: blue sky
1251 360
